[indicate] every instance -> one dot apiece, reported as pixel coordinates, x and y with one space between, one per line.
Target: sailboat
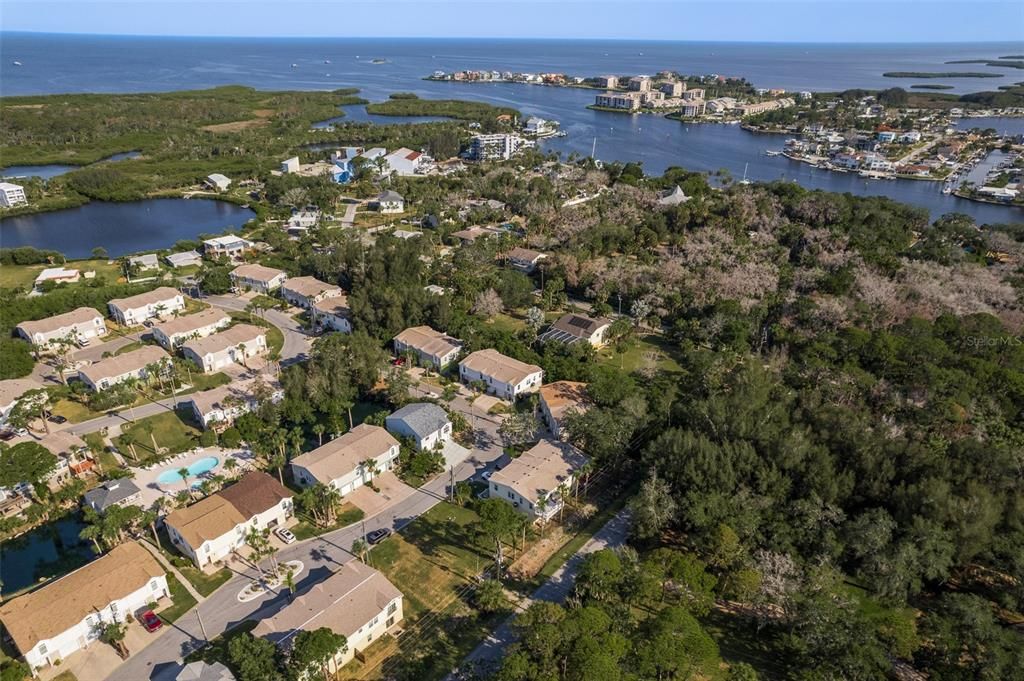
745 180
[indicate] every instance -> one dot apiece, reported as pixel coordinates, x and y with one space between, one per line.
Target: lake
357 113
49 550
122 227
53 170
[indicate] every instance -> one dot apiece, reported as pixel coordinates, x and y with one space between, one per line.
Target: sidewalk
173 570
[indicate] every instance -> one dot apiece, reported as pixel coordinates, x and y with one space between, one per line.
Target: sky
719 20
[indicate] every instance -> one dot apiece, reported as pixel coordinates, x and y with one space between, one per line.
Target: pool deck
152 490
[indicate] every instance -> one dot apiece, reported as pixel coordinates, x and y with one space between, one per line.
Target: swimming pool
204 465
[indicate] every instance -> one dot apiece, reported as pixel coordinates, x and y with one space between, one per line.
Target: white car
486 475
285 535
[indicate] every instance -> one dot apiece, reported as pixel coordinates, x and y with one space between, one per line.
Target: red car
398 361
150 621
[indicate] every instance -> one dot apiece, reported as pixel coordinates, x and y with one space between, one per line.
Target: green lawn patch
202 582
348 514
183 601
75 412
135 345
643 351
24 276
168 429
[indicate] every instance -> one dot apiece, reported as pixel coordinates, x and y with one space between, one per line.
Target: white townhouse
210 529
232 346
220 407
577 328
11 391
257 278
333 313
304 292
66 615
231 247
84 323
432 347
535 481
356 601
502 376
426 423
561 399
339 463
120 368
12 194
174 332
156 303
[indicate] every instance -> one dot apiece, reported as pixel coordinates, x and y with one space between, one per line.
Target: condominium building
80 325
629 101
11 194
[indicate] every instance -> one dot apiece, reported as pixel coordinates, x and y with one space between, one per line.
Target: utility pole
201 626
451 483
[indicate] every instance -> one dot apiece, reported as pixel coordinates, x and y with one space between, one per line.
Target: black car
57 418
6 435
378 536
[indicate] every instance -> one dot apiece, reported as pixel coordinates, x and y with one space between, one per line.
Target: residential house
210 529
426 423
12 195
390 201
560 399
174 332
340 463
218 408
148 261
66 615
307 291
303 220
356 602
231 247
432 347
116 492
403 162
74 459
156 303
11 391
909 137
81 324
535 481
233 346
502 376
577 328
524 259
470 235
218 182
57 275
184 259
111 371
333 313
257 278
694 94
539 126
886 136
204 671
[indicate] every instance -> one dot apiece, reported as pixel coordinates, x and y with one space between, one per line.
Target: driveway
94 351
392 491
296 340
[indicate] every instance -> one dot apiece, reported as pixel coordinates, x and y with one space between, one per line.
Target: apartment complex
111 371
502 376
340 463
232 346
156 303
81 324
174 332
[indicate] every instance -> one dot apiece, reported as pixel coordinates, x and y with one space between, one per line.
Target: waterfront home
496 147
304 292
673 197
720 104
218 408
218 182
174 332
184 259
208 531
577 328
156 303
390 202
403 162
524 259
432 347
11 391
502 376
224 348
561 399
535 481
539 126
67 614
148 261
254 277
426 423
231 247
333 313
74 459
57 275
111 371
341 463
12 194
116 492
627 101
356 602
80 325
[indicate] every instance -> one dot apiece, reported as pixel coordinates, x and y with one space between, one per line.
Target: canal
48 551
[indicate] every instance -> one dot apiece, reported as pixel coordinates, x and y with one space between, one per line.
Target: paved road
161 659
123 415
94 351
486 656
296 340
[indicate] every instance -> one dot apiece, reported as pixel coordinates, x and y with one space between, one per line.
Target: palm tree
129 440
185 474
319 429
241 349
149 518
92 533
369 466
277 460
289 581
359 549
296 438
230 465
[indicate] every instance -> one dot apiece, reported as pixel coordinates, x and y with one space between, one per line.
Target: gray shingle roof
422 418
111 492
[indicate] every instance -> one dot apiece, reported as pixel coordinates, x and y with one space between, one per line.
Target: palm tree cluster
322 503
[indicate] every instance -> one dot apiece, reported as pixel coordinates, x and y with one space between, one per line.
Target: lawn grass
135 345
507 323
347 514
638 352
24 276
183 601
75 412
65 675
202 582
168 429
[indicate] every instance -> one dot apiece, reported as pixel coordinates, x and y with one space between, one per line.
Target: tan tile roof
524 254
81 315
256 272
344 602
204 520
492 363
63 603
561 396
222 340
343 454
337 306
157 295
192 322
123 364
541 469
14 388
308 286
428 341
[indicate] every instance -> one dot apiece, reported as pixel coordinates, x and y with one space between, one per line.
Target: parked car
486 475
378 536
285 535
150 621
398 361
7 435
21 432
56 418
